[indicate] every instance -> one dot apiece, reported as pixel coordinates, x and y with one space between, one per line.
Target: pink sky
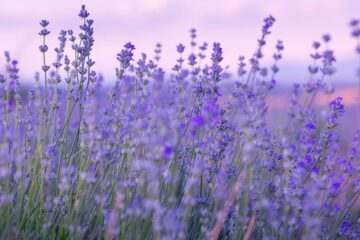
235 23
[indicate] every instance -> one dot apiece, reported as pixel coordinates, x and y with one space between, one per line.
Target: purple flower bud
66 60
180 48
344 226
192 59
126 55
44 23
129 46
7 56
268 22
72 38
277 56
90 62
198 121
192 32
75 64
168 150
316 45
216 56
43 48
279 45
261 42
313 69
83 12
2 78
62 39
274 68
336 185
45 68
315 56
82 70
44 32
203 47
336 111
263 72
355 33
354 22
326 38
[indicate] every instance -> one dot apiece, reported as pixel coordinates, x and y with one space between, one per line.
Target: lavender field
191 152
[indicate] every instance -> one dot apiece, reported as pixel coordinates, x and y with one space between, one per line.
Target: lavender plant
170 156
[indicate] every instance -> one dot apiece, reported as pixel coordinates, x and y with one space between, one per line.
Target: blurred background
234 23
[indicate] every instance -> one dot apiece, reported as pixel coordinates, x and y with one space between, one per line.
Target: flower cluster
172 155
